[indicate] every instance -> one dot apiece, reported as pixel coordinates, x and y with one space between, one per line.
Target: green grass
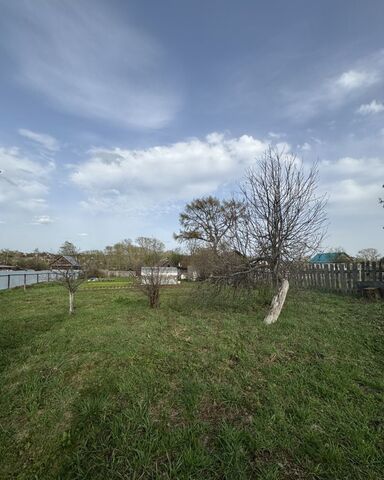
195 390
108 283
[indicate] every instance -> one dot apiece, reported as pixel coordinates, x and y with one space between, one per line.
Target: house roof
68 259
330 257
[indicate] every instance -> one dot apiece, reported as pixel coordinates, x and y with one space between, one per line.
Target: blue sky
114 114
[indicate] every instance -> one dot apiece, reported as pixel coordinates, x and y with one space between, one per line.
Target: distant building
65 262
159 275
331 257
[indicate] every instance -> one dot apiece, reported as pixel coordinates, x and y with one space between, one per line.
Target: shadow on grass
204 296
133 302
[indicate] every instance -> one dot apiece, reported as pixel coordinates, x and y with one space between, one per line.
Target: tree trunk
71 303
277 303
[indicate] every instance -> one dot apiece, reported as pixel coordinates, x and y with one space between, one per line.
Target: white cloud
276 135
42 220
335 91
370 108
89 62
359 167
305 147
121 178
215 137
354 79
24 183
83 234
353 183
46 141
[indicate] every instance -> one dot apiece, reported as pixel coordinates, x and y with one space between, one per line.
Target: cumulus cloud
361 167
353 183
371 108
46 141
120 178
24 182
87 61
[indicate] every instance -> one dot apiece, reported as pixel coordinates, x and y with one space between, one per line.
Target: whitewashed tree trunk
71 302
277 303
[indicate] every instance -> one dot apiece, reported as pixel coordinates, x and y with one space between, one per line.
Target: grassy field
109 283
196 390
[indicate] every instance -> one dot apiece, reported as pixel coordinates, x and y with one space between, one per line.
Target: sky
115 114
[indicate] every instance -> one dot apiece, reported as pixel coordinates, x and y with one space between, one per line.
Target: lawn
109 283
193 390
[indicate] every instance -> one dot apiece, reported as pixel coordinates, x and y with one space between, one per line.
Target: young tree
151 283
72 279
152 258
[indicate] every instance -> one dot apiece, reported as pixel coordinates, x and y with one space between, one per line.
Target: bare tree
285 218
283 221
151 283
368 255
152 250
72 279
152 275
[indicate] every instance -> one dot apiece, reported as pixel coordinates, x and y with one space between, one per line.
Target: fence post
326 276
349 286
363 267
9 281
25 281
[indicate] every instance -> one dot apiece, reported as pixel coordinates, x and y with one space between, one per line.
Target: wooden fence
341 277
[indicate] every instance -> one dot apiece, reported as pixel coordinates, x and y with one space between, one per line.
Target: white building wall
165 275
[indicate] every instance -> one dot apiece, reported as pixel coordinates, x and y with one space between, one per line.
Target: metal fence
23 278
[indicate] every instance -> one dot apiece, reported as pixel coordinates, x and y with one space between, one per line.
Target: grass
195 390
109 283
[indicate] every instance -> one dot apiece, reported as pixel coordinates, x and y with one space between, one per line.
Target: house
65 262
331 257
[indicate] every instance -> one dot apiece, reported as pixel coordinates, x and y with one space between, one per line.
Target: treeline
124 255
35 260
130 255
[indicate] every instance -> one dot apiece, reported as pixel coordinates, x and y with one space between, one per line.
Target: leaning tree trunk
277 303
71 303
